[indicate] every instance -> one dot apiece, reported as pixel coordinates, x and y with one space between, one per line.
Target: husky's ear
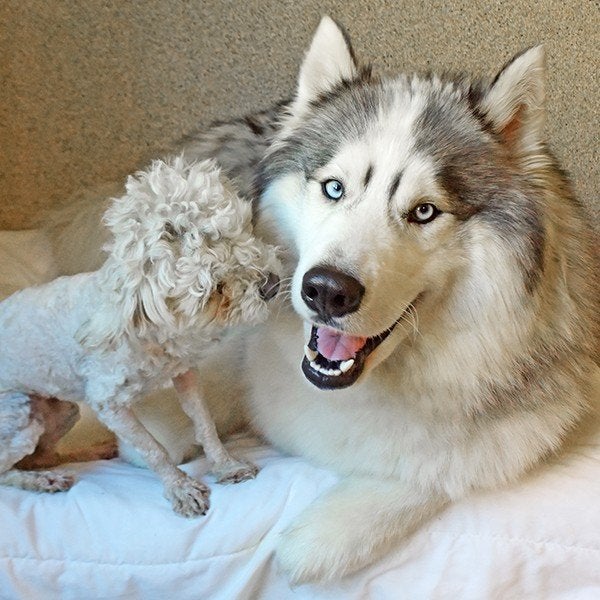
329 60
514 104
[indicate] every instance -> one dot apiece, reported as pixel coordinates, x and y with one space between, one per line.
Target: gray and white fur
444 292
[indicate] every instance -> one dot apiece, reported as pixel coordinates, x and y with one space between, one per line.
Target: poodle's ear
152 307
514 104
135 304
329 60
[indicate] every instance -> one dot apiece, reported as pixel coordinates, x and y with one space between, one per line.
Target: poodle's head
183 253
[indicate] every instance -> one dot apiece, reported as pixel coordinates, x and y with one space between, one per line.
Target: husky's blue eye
423 213
333 189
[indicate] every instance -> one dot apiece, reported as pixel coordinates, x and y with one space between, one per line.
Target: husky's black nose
270 287
331 293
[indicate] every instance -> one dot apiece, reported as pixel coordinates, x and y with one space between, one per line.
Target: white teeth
343 367
346 365
310 354
324 371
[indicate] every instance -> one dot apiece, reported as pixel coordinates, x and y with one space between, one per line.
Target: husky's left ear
329 60
514 104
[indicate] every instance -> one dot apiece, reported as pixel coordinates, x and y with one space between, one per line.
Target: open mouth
334 360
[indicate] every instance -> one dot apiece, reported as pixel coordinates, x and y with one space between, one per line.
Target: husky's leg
353 525
188 496
226 468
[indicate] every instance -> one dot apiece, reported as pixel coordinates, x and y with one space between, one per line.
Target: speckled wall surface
90 89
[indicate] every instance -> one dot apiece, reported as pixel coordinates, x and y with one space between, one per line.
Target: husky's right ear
514 104
329 60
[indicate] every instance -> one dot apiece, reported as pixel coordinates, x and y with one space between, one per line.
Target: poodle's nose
331 293
270 288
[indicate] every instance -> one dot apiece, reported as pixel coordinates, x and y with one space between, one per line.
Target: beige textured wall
91 89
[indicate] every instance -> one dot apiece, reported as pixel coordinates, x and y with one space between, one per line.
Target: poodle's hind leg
225 467
58 418
21 428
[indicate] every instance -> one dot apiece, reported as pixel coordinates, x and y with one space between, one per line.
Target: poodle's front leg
188 496
226 468
352 526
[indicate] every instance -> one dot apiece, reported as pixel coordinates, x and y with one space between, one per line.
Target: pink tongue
334 345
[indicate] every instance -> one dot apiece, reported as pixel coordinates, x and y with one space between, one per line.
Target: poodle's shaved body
182 267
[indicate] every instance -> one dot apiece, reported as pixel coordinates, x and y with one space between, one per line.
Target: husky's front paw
189 497
352 526
234 471
317 551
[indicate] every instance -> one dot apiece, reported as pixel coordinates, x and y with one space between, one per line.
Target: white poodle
183 265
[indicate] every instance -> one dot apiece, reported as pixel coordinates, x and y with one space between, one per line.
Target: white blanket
114 535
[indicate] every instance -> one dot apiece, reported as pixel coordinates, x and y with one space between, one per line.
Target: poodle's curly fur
183 265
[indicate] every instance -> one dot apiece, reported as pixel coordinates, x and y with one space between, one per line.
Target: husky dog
444 285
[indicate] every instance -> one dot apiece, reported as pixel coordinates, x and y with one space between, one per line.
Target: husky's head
391 190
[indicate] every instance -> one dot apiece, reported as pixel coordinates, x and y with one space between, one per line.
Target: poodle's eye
220 287
333 189
423 213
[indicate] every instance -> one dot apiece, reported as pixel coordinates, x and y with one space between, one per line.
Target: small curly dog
182 267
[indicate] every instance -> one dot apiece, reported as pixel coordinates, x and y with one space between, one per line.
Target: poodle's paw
39 481
189 497
54 481
234 471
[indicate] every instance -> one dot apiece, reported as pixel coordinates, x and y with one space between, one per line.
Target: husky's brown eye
423 213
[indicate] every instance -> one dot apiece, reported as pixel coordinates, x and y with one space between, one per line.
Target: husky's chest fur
409 420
